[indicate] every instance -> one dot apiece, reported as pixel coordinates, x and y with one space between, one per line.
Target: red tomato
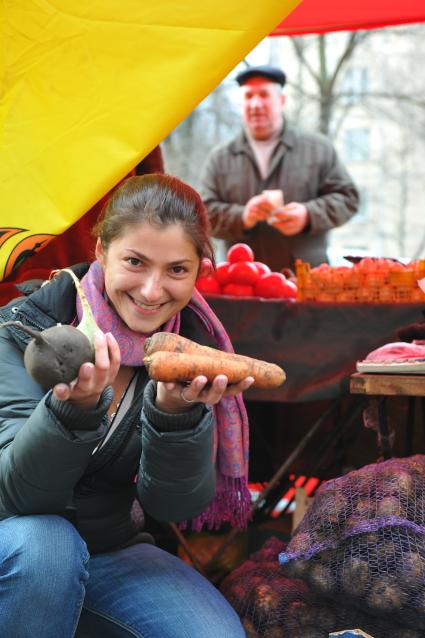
262 268
208 285
240 252
243 272
274 285
221 273
238 290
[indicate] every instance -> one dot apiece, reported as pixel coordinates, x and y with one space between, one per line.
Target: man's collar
241 144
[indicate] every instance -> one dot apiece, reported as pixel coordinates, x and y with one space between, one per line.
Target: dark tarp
316 344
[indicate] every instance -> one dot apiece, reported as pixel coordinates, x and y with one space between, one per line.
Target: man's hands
290 219
257 209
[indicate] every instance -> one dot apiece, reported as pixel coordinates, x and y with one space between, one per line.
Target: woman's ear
99 252
206 267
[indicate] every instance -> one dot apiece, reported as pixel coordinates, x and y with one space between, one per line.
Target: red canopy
320 16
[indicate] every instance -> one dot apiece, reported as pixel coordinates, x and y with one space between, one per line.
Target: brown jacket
306 167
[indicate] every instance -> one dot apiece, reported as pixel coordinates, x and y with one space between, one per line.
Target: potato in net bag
271 605
268 602
362 542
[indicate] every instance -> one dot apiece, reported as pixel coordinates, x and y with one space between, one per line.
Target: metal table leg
409 425
383 428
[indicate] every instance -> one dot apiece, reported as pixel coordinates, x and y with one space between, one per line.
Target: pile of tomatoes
241 276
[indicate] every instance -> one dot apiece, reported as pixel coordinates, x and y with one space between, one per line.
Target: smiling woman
113 435
147 288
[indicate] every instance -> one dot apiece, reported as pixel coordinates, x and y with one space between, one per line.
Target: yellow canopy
89 88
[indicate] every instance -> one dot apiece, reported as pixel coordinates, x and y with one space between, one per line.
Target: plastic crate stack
368 281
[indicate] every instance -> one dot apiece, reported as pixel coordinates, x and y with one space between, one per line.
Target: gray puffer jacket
48 462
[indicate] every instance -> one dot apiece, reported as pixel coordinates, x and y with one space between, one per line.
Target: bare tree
324 99
212 122
325 72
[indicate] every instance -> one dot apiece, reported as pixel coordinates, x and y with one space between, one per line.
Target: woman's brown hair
160 200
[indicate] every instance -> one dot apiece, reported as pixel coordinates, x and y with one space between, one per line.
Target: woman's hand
93 378
176 397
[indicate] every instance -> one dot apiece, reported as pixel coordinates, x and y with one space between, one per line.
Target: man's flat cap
272 73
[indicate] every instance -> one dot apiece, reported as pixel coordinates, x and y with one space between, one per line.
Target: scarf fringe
231 504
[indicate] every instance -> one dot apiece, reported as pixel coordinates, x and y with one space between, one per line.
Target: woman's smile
146 308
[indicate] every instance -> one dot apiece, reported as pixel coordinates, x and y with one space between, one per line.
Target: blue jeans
51 588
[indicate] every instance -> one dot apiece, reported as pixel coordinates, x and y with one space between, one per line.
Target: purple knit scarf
231 502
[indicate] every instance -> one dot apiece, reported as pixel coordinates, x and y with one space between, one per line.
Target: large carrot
171 342
176 366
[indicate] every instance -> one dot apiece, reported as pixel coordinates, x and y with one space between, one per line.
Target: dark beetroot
54 355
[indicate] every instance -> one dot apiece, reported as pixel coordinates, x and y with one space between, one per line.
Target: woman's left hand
93 378
176 397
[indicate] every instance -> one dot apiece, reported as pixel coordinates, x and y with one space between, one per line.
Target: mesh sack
362 542
271 605
267 601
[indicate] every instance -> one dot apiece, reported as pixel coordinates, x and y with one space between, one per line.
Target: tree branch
297 43
354 40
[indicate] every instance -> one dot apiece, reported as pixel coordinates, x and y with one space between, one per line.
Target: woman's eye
133 261
178 270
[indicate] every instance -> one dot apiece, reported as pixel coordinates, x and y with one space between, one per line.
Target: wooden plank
388 384
302 503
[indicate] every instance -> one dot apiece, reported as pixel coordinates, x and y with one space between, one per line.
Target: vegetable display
170 357
369 280
55 355
241 276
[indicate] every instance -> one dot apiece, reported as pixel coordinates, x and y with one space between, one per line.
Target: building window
356 144
354 84
363 212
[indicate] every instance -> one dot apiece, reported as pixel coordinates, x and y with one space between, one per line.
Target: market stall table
316 344
385 385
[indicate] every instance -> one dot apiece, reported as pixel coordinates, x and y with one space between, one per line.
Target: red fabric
314 16
397 351
74 245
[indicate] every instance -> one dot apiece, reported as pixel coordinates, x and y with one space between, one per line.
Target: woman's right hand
93 378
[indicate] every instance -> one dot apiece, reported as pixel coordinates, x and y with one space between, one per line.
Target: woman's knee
155 594
42 565
42 547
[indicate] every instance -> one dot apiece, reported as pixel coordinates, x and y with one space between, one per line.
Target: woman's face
150 273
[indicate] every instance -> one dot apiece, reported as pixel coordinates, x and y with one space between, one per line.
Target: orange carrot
176 366
171 342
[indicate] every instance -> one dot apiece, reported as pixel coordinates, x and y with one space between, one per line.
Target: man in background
316 195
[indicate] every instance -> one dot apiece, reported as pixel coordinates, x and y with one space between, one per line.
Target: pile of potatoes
272 605
362 542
